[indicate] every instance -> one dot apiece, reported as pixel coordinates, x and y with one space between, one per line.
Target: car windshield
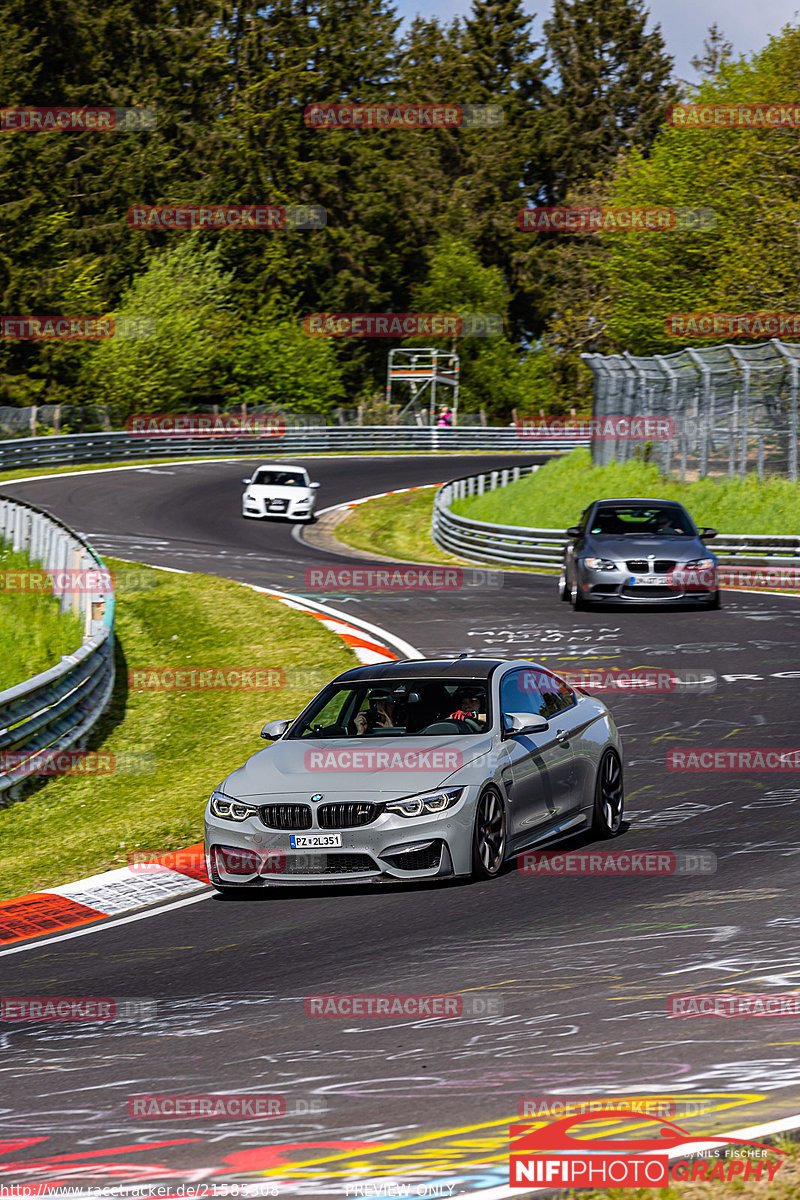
399 708
621 520
280 478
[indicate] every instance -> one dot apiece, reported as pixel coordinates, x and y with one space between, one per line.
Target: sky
684 23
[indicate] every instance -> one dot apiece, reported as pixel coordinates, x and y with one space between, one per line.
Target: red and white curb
179 872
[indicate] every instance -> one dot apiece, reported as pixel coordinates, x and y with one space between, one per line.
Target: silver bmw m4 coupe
416 770
630 551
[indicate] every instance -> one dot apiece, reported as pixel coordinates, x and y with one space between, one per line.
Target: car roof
278 467
637 500
456 669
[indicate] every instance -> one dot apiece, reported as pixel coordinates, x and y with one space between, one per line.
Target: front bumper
258 506
615 587
247 854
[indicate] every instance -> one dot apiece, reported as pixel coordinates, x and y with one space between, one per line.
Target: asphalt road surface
581 967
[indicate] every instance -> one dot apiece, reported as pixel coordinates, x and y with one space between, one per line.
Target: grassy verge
555 495
33 632
398 526
170 747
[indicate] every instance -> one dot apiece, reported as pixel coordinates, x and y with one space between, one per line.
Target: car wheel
713 601
609 797
489 836
577 600
563 589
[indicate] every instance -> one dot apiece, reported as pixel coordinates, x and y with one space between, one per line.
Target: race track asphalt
583 966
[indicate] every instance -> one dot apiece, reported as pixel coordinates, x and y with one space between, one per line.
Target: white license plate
650 580
314 841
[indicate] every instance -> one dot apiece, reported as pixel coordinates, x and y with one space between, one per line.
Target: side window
520 693
556 694
535 691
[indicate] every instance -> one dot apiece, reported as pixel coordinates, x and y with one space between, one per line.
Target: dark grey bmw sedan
638 550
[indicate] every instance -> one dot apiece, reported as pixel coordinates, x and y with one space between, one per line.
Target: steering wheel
448 725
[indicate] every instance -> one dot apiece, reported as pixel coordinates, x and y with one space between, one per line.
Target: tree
185 294
274 362
716 51
614 88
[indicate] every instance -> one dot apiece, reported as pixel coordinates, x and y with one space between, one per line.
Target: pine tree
614 87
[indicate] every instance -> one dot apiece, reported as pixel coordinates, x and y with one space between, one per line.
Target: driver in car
470 703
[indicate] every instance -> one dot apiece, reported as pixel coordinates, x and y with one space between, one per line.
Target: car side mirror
520 723
573 531
708 533
314 485
275 729
245 481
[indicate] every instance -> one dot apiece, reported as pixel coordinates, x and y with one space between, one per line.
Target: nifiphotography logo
556 1155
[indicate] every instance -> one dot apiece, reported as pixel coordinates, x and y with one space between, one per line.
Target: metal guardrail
521 546
55 710
115 447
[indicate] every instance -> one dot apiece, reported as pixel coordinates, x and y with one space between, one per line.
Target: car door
539 770
568 719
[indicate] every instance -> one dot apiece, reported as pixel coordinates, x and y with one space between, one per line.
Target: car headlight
230 810
699 564
600 564
430 802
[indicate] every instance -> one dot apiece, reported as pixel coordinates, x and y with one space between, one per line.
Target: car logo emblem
317 796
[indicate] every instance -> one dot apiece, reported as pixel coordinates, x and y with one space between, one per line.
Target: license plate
650 580
314 841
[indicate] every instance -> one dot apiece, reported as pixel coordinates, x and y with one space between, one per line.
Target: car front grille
346 816
662 565
649 593
285 816
638 564
277 505
328 864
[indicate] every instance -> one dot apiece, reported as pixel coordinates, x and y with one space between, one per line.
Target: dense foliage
416 219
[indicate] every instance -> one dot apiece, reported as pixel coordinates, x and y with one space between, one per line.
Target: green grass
33 632
398 526
555 495
73 826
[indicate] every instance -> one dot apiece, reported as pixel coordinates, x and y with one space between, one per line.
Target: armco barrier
55 710
323 439
543 549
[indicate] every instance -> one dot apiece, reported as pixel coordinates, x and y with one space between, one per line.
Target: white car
276 490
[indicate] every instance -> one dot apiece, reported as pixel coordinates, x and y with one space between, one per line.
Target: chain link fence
731 410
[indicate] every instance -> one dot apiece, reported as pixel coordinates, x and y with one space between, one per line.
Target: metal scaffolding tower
417 370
